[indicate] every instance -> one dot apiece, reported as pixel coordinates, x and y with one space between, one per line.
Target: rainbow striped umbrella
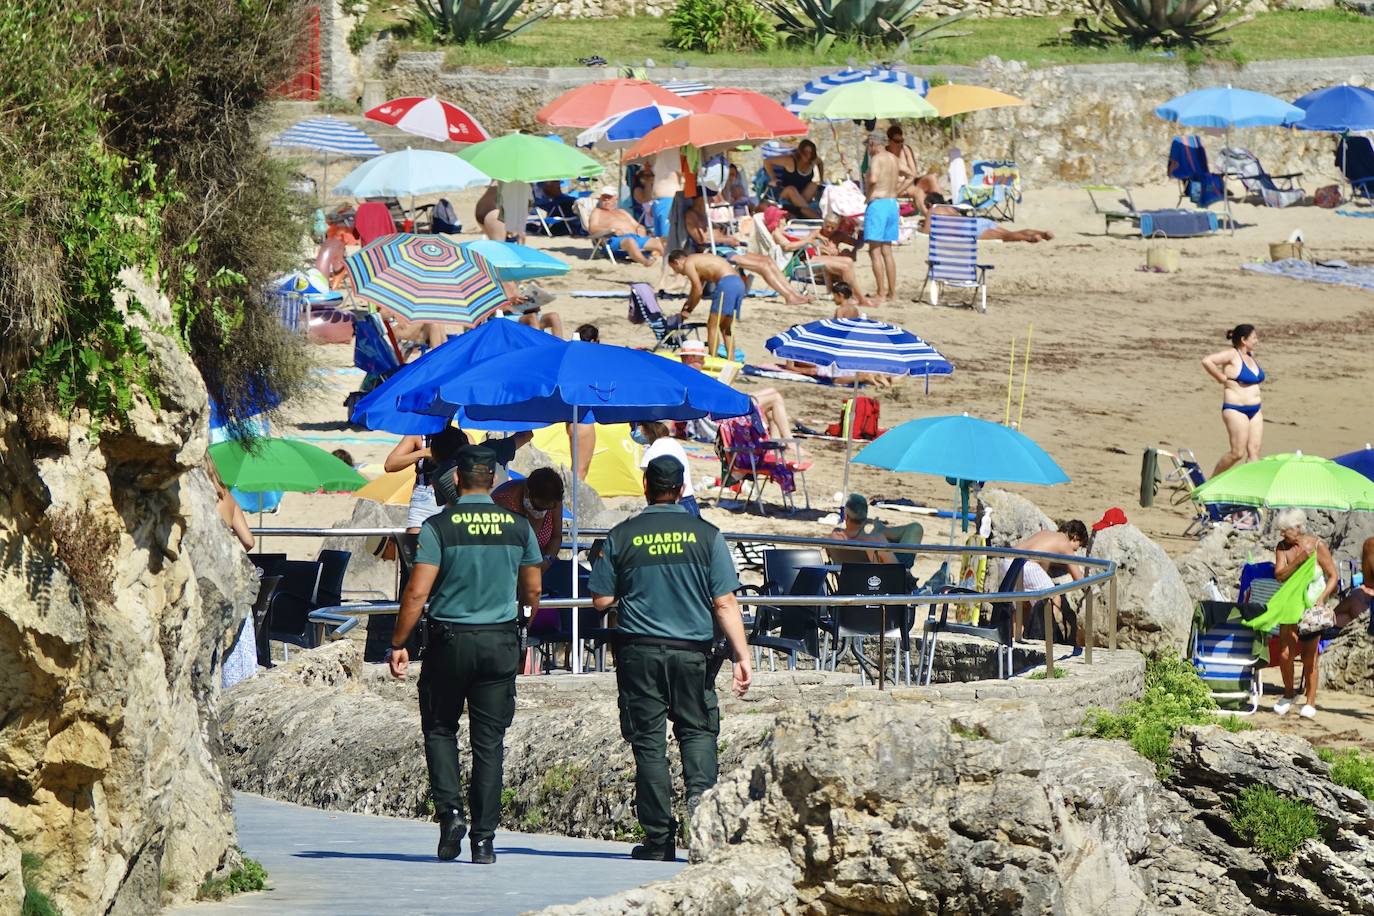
426 278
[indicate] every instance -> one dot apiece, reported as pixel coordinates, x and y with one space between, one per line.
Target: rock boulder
1013 517
1154 609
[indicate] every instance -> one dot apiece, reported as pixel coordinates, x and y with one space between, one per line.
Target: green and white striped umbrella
1290 480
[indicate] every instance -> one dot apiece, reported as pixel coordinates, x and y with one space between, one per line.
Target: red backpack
865 420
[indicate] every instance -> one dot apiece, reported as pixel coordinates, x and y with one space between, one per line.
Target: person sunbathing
628 236
707 237
834 266
987 229
772 406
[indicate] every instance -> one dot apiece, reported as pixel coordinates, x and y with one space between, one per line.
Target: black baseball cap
473 457
664 473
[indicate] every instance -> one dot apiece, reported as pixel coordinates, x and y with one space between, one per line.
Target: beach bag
864 424
1282 251
1327 197
1162 258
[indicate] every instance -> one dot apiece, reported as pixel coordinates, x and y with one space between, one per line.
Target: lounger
1271 190
1196 181
993 189
1169 223
795 265
669 331
953 259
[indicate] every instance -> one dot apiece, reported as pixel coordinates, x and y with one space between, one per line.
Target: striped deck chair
1222 650
953 259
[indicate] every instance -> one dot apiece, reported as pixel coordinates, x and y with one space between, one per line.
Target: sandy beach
1114 357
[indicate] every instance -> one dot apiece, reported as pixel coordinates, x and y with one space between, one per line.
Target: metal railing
345 617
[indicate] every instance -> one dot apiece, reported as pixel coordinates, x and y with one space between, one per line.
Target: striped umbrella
330 136
623 129
685 88
818 87
859 345
426 278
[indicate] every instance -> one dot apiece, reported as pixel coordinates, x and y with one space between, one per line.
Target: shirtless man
987 229
628 237
488 213
1070 537
667 184
727 294
882 221
913 185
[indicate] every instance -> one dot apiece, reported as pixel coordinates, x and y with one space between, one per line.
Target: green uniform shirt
665 566
479 548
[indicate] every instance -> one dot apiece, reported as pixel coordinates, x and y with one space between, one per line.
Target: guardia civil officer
473 559
672 575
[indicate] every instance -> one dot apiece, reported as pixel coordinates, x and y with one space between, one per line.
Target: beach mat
1336 272
1357 214
621 293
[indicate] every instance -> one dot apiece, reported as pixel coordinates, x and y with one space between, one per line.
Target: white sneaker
1282 705
1308 711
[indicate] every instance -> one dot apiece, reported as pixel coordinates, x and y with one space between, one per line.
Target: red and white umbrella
430 117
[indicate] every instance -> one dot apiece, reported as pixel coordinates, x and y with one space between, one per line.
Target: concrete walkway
328 862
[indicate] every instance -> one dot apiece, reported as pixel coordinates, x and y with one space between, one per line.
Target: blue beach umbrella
1337 110
586 383
962 449
1360 461
418 381
328 135
1224 108
821 85
859 345
621 130
518 262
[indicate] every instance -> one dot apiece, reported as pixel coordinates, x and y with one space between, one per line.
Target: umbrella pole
848 429
963 505
1025 371
575 650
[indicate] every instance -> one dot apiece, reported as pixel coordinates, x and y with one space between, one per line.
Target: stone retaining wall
1081 124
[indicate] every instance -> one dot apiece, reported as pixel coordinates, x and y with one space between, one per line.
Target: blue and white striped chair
953 258
1223 653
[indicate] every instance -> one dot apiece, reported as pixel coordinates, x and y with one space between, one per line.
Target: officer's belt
471 627
688 645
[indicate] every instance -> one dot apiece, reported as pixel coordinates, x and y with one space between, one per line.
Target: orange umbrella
587 105
752 107
699 130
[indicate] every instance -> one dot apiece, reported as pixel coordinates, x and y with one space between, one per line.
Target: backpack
864 424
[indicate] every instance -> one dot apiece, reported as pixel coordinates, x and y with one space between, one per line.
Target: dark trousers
476 668
657 685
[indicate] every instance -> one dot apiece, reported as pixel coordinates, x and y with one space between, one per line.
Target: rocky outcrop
1218 558
118 586
1348 662
367 572
11 877
1154 609
1014 518
934 808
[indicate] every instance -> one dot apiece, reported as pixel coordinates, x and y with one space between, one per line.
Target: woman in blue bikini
1239 375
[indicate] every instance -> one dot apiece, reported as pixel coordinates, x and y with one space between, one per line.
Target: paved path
328 862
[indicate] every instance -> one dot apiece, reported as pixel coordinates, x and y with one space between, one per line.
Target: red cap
1111 517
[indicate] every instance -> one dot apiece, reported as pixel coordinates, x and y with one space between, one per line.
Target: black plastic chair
288 610
333 569
799 627
853 624
267 563
999 628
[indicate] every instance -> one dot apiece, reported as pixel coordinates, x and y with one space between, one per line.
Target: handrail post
1089 637
882 644
1111 612
1049 638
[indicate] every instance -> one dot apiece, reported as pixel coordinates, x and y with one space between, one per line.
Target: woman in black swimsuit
797 178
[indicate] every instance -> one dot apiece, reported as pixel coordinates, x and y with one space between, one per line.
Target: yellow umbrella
952 99
390 489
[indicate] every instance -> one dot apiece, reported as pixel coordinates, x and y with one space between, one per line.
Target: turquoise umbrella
962 449
517 262
409 172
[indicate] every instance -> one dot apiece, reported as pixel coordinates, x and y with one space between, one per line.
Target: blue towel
1358 277
1359 214
1176 224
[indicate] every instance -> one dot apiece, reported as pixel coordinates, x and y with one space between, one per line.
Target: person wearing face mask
539 500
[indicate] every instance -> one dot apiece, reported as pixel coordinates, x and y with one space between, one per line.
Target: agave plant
1169 23
475 21
821 22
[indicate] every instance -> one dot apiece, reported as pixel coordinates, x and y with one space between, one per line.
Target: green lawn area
1269 36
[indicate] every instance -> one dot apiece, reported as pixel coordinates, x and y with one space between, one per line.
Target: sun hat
692 348
606 191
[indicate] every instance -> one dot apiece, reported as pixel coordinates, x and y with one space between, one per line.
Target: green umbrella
524 157
1296 480
868 99
281 464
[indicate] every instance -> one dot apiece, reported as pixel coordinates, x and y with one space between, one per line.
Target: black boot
482 853
649 853
452 829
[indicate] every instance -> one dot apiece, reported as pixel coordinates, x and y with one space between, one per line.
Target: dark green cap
664 473
472 457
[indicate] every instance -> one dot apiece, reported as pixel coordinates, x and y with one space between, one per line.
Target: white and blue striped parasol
685 88
818 87
328 135
623 129
859 345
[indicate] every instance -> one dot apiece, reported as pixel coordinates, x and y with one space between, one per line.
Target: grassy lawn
1269 36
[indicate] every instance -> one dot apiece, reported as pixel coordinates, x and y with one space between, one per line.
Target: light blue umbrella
409 172
963 450
859 345
518 262
1337 110
1224 108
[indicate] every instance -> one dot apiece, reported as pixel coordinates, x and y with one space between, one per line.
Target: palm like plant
476 21
884 21
1185 23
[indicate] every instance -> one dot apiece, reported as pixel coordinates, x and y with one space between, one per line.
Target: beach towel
784 375
1324 272
1288 603
1358 214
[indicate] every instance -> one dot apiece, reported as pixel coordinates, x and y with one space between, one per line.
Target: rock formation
1013 517
119 584
1154 609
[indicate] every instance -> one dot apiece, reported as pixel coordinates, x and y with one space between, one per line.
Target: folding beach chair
375 350
545 216
796 266
1271 190
993 189
669 331
748 457
1355 159
953 259
600 240
1223 652
1183 476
